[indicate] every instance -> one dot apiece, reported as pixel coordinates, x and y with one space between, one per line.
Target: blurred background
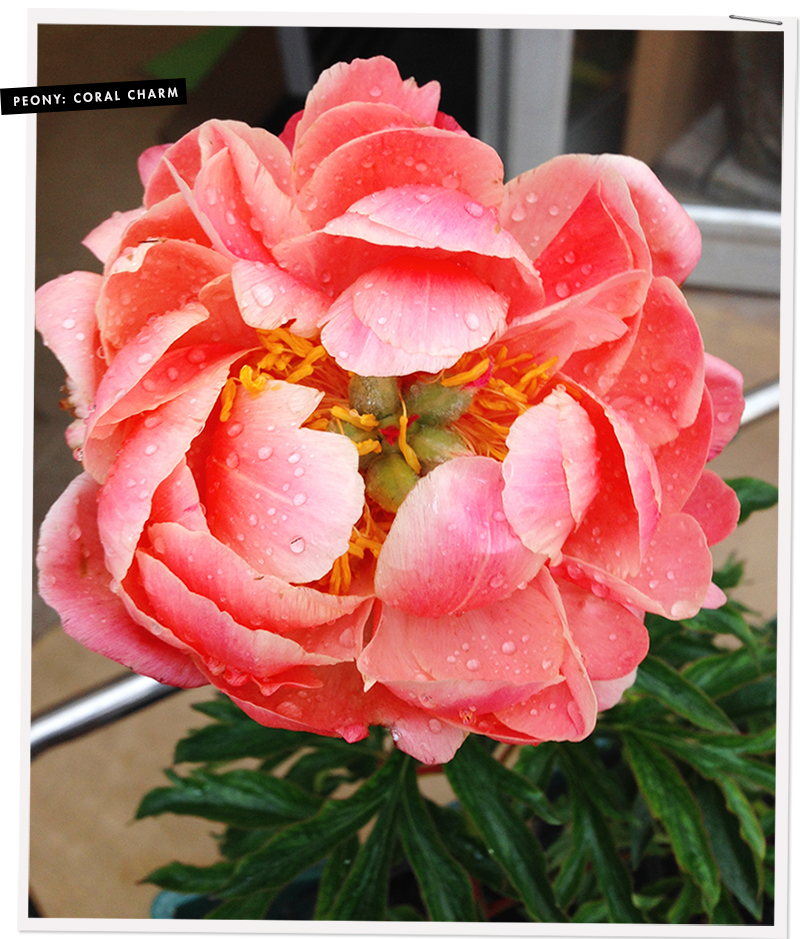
704 109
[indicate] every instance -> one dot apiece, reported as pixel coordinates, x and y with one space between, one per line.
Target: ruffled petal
451 547
283 497
715 506
74 580
269 297
104 239
724 384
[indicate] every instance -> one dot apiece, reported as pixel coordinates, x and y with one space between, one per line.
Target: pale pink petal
715 506
426 738
451 547
375 80
424 156
149 160
73 579
550 473
482 660
611 640
283 497
150 452
66 318
661 385
269 297
724 384
715 598
182 158
609 693
104 239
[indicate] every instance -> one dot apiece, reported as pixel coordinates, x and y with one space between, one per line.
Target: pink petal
150 452
611 640
609 693
660 386
423 156
451 547
269 297
66 318
550 473
681 461
149 160
213 634
184 156
169 219
481 660
715 506
374 80
283 497
104 239
73 579
151 280
177 500
724 383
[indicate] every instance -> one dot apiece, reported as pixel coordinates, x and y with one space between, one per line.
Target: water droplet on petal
297 545
473 665
509 647
264 453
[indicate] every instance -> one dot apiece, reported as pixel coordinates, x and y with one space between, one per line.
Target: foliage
664 815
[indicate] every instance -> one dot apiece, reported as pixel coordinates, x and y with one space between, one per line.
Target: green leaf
295 848
739 869
334 874
468 850
236 842
536 762
573 869
253 907
659 680
188 878
722 673
404 914
688 904
244 798
671 801
715 763
758 699
593 911
726 621
615 881
730 574
445 887
364 894
749 825
753 495
472 774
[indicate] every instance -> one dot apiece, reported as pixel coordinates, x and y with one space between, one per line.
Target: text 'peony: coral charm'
370 438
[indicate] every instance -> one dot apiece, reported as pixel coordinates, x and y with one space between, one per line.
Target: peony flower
369 437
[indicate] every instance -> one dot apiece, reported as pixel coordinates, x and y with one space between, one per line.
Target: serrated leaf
615 881
445 887
754 495
296 848
189 878
363 895
671 801
740 871
659 680
243 798
472 774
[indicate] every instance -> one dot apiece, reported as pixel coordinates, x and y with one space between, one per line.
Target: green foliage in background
664 815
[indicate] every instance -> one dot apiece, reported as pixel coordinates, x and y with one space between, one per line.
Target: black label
134 94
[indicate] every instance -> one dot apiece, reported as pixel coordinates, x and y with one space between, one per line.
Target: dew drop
264 453
262 294
471 320
68 323
376 91
294 457
150 449
232 460
297 545
235 429
475 209
553 210
562 289
300 498
509 647
435 726
473 665
518 213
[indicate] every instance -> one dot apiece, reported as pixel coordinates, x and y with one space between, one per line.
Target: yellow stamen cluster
364 541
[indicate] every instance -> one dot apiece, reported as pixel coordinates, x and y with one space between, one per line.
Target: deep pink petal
169 219
74 580
715 506
551 473
451 547
283 497
724 384
681 461
660 386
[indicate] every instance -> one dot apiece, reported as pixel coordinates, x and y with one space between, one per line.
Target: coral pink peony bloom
370 438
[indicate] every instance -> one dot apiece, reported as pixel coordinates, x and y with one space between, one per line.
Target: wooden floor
86 853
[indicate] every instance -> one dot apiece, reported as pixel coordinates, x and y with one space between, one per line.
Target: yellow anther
405 448
368 446
254 382
462 378
351 416
227 396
